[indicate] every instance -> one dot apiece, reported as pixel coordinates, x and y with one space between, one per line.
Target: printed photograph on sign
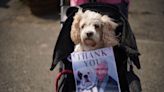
95 71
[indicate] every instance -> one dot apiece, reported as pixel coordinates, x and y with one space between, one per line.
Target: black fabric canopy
127 48
64 45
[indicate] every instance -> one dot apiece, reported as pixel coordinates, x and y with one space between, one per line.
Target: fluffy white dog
91 30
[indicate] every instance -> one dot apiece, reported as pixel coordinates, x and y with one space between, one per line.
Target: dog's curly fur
91 30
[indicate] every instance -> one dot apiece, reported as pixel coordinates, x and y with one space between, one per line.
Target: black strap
92 1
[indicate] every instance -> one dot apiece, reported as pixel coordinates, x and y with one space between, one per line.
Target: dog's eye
96 26
82 26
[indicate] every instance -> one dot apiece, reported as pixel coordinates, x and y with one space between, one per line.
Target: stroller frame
127 47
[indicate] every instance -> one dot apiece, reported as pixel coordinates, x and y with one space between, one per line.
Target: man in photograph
105 83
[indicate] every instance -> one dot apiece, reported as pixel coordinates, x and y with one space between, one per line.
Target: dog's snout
89 34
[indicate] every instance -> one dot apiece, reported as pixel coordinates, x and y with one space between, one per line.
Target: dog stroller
126 53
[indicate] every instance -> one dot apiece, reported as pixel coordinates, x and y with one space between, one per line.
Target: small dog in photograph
91 30
85 82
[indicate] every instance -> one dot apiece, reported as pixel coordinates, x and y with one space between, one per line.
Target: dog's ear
109 21
109 27
75 28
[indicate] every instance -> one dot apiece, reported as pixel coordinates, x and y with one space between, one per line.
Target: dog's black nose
89 34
